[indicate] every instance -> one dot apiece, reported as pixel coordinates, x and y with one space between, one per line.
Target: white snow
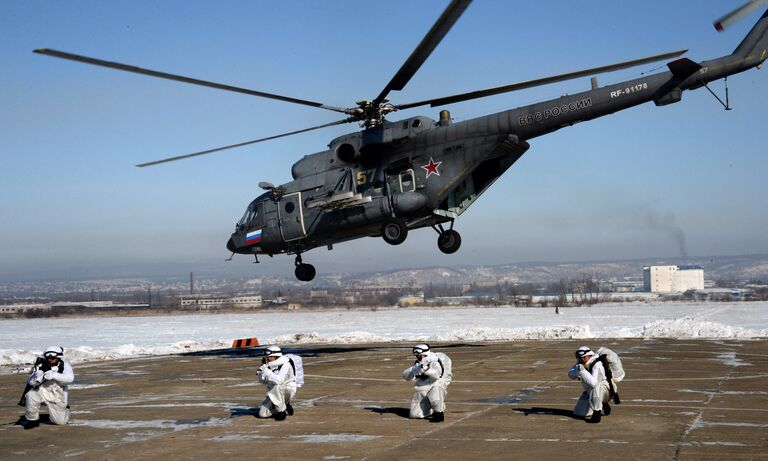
334 438
149 424
100 338
87 386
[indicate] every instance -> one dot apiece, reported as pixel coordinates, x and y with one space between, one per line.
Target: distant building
410 300
17 308
93 304
208 301
673 279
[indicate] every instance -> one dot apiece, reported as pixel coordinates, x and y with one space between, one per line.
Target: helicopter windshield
247 217
253 216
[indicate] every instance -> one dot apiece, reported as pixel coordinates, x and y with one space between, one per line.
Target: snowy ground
86 339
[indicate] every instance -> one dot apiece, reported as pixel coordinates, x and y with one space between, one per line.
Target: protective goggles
581 353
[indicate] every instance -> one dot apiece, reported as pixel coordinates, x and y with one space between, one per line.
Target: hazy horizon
166 271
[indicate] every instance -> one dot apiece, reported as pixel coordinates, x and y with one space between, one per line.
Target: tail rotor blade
734 16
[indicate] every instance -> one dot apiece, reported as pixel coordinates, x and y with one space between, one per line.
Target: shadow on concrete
22 421
258 351
547 411
237 412
401 412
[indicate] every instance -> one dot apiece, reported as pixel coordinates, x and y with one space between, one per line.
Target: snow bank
689 327
90 339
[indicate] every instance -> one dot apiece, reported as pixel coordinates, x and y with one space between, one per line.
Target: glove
262 368
420 369
38 377
416 370
49 375
582 371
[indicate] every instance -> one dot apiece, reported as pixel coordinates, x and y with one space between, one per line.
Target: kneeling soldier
432 372
276 372
593 402
48 385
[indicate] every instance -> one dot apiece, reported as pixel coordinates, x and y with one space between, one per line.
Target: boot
289 409
606 409
437 417
596 417
280 416
30 424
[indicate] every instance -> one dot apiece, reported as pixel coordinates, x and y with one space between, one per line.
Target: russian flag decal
253 237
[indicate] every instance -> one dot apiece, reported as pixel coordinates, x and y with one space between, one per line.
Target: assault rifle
40 362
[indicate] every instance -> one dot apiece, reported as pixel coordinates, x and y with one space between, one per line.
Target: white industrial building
673 279
208 301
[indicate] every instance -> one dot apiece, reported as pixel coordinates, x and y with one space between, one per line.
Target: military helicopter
395 177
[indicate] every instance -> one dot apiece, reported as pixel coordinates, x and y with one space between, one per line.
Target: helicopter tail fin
754 47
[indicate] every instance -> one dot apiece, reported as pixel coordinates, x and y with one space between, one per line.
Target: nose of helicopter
231 245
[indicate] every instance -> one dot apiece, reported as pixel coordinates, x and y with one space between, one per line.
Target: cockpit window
247 217
253 216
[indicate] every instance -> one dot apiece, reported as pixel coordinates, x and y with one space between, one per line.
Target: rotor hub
370 113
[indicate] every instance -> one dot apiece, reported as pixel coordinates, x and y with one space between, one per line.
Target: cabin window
289 207
416 123
257 220
407 183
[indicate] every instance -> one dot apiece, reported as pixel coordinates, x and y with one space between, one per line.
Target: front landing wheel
394 231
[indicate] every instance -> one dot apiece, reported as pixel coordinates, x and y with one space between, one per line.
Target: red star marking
431 167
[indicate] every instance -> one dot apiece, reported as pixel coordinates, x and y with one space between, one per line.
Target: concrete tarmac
682 399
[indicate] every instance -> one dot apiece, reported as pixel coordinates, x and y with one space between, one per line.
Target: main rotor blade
179 78
425 48
539 81
210 151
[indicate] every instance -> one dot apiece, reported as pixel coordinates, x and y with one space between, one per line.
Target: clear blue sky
72 202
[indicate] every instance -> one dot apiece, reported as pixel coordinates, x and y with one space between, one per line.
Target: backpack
614 371
298 368
612 364
446 365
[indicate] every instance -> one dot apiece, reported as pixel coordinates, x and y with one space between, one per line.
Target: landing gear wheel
449 242
305 272
394 231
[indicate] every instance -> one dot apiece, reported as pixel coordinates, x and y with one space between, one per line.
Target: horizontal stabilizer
683 68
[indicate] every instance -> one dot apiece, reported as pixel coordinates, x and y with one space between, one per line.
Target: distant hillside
749 267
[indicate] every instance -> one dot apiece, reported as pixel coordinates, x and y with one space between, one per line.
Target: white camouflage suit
280 380
429 389
595 387
50 388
